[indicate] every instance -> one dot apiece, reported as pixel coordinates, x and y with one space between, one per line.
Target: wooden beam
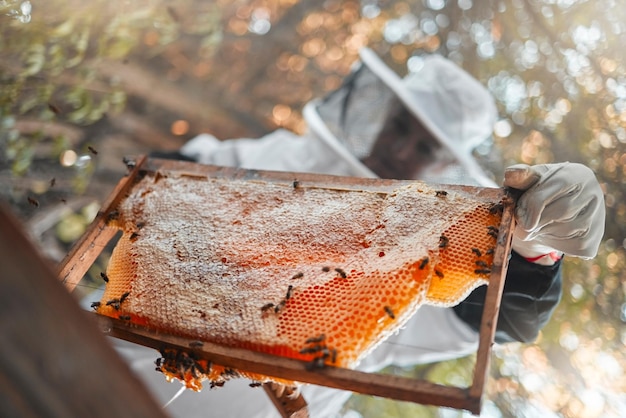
53 359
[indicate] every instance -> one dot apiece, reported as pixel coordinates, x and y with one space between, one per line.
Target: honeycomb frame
86 250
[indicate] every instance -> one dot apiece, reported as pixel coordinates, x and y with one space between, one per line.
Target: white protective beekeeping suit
453 106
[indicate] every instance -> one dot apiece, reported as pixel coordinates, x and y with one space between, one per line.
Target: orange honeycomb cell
317 274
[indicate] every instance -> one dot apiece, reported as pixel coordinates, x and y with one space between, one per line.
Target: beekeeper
424 126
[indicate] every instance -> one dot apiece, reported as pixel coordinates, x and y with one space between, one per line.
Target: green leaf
35 59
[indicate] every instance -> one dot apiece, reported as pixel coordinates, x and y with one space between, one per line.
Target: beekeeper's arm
280 150
561 211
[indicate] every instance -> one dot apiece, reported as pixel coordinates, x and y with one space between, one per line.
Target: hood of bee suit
455 108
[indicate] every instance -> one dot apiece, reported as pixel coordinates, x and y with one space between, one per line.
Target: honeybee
280 306
92 150
439 273
441 193
95 305
130 164
490 251
255 384
196 344
341 273
124 317
477 252
34 202
389 312
266 307
423 263
113 215
325 269
115 303
134 236
316 363
54 108
496 208
317 339
104 277
201 369
296 184
298 275
492 233
230 373
443 241
481 263
311 350
482 271
53 181
124 296
289 290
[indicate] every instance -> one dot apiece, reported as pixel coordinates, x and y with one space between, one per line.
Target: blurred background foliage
83 84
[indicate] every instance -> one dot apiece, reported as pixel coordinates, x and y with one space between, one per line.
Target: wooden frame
98 235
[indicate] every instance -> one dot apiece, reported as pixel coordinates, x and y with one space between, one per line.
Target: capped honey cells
251 264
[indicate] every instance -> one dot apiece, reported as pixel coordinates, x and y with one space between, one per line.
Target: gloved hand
561 209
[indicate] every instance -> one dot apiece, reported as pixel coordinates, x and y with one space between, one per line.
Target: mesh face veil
356 112
450 105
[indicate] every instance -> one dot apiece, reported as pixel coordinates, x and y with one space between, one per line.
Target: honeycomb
311 273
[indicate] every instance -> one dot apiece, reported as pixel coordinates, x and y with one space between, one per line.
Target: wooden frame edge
85 251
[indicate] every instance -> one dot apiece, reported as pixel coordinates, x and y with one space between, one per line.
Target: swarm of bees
482 266
181 364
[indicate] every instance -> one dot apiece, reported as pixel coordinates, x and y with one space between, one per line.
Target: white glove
561 209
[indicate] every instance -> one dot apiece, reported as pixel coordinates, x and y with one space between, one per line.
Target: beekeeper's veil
457 110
